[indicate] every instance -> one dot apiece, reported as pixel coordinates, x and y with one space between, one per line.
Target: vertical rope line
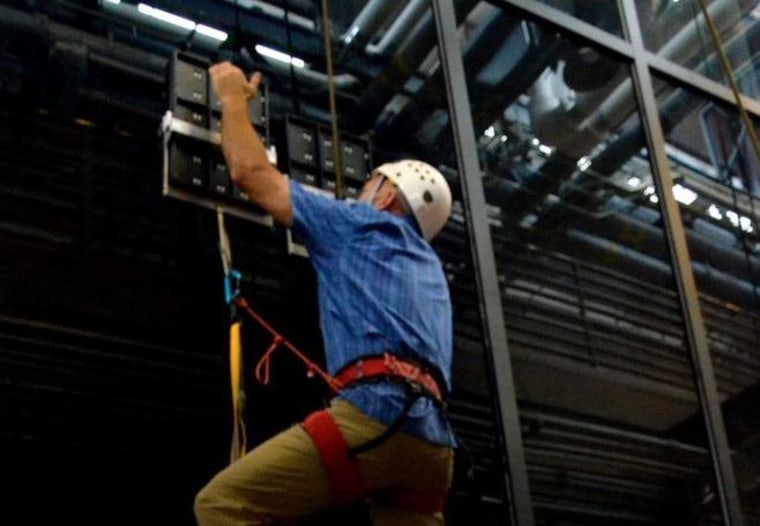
326 28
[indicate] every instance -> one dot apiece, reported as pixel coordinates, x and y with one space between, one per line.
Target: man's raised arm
244 153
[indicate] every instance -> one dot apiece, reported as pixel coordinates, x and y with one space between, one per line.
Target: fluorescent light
634 181
165 16
584 163
503 138
684 195
534 141
209 31
546 150
714 212
112 1
490 132
279 56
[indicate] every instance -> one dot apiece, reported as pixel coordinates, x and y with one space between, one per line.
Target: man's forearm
248 161
246 156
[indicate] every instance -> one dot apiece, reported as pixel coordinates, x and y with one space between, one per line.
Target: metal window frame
704 375
643 63
626 48
481 248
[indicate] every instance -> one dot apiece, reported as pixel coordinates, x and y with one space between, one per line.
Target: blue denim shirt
381 288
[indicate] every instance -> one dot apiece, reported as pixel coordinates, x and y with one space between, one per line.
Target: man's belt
390 367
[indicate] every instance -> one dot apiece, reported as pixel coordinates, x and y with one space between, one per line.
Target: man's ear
386 198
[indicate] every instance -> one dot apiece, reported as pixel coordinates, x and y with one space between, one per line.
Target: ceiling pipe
487 44
279 13
343 81
412 51
652 269
576 128
392 38
650 240
579 232
559 167
368 21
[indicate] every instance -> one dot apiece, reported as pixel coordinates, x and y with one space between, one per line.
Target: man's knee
208 507
220 503
216 505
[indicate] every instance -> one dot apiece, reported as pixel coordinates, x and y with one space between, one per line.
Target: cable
333 111
278 340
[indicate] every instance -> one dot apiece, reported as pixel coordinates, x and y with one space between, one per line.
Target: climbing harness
341 461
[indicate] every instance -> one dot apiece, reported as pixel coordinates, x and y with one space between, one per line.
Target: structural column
487 281
687 290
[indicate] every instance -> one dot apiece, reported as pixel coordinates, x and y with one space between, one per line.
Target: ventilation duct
576 122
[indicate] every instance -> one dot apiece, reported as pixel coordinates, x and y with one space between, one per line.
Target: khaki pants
282 480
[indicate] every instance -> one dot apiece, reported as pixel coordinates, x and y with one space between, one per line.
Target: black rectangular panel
188 162
326 152
191 82
191 114
355 160
219 177
301 144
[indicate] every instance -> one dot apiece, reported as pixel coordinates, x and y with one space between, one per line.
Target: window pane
677 30
602 370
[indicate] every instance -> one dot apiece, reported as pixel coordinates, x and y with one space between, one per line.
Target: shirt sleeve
322 224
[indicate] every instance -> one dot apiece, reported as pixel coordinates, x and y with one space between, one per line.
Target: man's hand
229 82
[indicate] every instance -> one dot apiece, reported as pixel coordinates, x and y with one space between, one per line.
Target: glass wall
596 338
716 169
677 30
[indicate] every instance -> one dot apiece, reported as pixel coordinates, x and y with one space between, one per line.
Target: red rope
278 340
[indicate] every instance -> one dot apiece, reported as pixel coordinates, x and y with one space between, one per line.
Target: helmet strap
371 197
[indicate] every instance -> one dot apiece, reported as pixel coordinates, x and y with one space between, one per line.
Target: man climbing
385 314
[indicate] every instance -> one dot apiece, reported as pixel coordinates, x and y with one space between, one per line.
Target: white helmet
426 192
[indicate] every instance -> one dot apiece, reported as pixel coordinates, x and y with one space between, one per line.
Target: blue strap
232 285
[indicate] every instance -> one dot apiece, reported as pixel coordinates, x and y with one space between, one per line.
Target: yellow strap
238 447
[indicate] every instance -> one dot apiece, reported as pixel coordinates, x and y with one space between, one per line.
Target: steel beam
486 277
689 298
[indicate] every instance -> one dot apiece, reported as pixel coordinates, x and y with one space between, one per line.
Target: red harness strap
343 476
344 480
389 366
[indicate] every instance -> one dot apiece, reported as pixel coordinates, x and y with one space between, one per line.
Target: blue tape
232 285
